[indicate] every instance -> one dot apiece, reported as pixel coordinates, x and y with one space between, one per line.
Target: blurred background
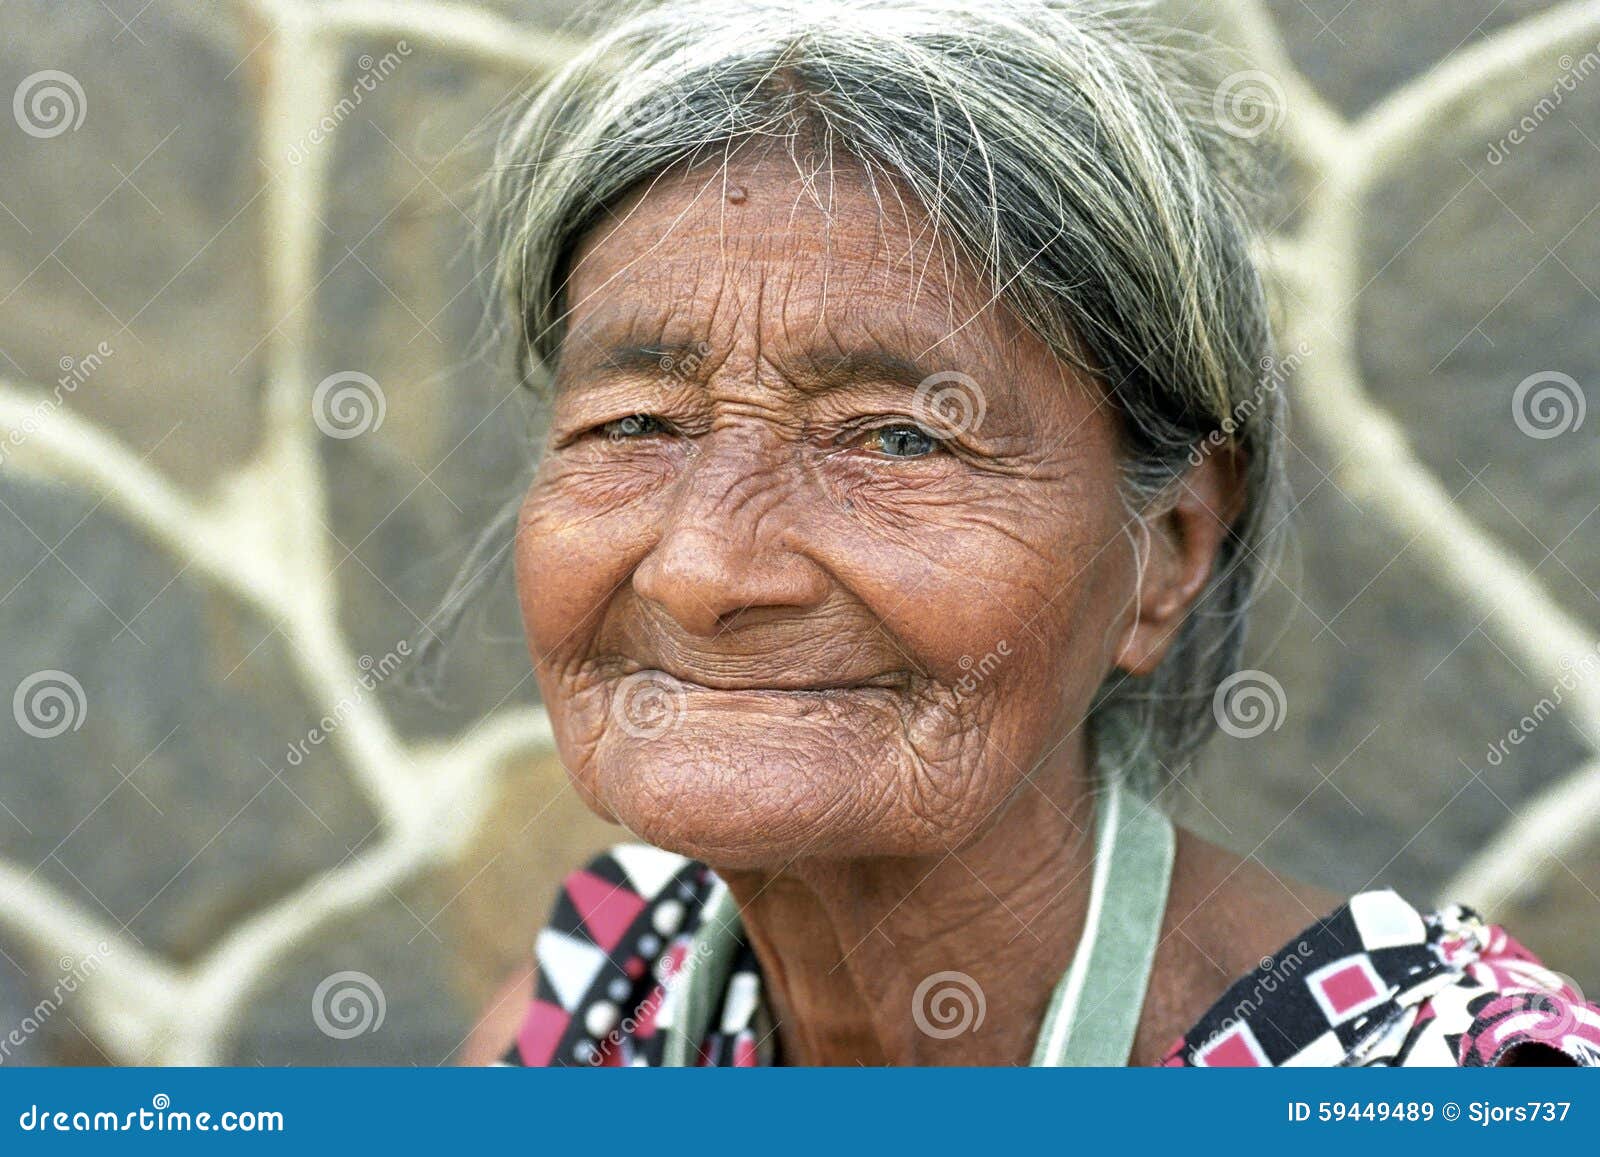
251 422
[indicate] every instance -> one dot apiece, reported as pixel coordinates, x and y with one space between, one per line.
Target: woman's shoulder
1380 982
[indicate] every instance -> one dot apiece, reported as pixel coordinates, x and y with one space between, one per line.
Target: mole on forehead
766 200
684 257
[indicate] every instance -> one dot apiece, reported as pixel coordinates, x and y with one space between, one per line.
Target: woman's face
825 553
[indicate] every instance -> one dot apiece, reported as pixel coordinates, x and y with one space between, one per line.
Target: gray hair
1066 149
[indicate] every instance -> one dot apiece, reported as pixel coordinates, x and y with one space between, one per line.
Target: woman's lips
787 682
650 702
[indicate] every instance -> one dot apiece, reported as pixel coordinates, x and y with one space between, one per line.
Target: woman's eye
633 426
901 440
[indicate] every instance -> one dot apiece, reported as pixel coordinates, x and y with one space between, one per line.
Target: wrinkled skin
795 619
813 601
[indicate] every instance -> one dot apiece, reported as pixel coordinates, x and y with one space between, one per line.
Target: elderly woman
909 469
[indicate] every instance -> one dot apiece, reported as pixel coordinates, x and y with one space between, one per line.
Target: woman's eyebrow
683 361
663 356
690 363
862 367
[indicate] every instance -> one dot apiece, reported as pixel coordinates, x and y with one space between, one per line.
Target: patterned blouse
1375 983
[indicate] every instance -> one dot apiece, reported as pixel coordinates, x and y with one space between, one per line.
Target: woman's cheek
582 530
946 557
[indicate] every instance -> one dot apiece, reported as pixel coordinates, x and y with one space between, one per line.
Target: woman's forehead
760 244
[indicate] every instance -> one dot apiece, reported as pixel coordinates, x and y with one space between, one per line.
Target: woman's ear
1184 537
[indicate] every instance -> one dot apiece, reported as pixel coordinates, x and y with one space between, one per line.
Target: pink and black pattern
617 937
1375 983
1379 983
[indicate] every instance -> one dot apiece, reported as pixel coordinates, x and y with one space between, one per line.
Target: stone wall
275 840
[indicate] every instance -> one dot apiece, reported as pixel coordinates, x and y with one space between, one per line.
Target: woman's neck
847 947
851 951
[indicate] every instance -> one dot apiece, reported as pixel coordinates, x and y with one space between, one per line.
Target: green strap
703 978
1095 1011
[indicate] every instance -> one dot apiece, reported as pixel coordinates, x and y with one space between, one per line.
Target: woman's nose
730 546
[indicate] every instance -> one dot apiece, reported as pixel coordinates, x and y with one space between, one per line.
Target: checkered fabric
1379 983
